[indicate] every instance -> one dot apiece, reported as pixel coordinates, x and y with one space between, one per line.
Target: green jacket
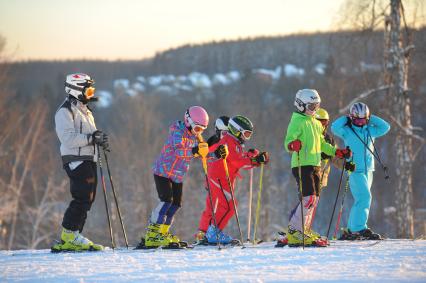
308 130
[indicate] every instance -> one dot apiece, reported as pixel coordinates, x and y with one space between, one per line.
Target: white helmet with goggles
307 101
80 86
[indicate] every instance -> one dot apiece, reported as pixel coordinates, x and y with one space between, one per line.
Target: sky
136 29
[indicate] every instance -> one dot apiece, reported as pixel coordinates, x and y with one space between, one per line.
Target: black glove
221 152
100 138
350 166
262 158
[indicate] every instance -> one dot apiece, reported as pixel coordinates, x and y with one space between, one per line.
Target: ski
172 246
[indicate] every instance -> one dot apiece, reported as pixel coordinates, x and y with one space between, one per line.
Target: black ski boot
367 234
347 235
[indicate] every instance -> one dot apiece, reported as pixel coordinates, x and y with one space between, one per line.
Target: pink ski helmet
196 118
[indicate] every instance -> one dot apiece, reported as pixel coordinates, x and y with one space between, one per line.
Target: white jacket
74 125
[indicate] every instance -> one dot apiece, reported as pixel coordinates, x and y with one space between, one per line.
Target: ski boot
174 240
200 238
213 234
73 241
295 239
367 234
282 239
154 238
164 229
316 236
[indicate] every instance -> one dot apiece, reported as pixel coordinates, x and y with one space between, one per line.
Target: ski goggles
313 106
246 134
89 92
359 121
198 128
324 122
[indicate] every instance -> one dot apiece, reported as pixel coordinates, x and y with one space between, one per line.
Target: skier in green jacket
305 140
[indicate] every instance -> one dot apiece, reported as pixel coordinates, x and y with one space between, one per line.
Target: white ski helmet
221 123
307 101
80 86
359 110
359 114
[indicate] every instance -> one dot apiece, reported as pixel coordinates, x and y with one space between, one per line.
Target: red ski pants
222 202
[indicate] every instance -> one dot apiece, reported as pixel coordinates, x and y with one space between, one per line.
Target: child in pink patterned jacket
169 169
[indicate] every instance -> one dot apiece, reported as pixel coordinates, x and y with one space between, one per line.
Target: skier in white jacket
76 130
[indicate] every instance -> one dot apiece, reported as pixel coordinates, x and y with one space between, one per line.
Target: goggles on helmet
89 92
246 134
312 106
324 122
359 121
195 127
198 128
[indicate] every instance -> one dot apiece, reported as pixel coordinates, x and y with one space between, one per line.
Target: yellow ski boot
295 239
73 241
164 229
154 238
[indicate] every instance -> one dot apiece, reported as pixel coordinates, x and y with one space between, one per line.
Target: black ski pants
310 179
83 182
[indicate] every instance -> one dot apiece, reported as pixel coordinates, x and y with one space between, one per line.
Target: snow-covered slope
385 261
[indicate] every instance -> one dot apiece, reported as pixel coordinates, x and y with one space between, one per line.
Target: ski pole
250 200
301 198
385 169
105 197
341 206
204 162
225 166
337 197
375 154
259 195
116 200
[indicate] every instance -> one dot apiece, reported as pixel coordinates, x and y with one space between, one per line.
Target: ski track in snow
366 261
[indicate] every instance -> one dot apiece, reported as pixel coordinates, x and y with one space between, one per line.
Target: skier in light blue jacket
358 130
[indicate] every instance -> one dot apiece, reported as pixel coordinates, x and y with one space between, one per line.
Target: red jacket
237 159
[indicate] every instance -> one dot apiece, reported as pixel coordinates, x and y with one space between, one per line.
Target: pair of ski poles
335 202
106 198
259 197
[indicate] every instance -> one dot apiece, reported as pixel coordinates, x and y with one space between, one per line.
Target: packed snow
342 261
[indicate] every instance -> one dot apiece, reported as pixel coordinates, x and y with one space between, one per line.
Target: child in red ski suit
240 129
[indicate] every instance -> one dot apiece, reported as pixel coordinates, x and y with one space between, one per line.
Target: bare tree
396 74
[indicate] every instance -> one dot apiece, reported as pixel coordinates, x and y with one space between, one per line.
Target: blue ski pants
360 184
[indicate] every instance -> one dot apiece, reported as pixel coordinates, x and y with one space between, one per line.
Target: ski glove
350 166
100 138
201 149
252 153
221 152
343 153
295 145
262 158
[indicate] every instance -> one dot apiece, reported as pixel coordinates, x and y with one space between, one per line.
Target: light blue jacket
363 158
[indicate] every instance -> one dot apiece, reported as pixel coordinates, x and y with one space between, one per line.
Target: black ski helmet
240 127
